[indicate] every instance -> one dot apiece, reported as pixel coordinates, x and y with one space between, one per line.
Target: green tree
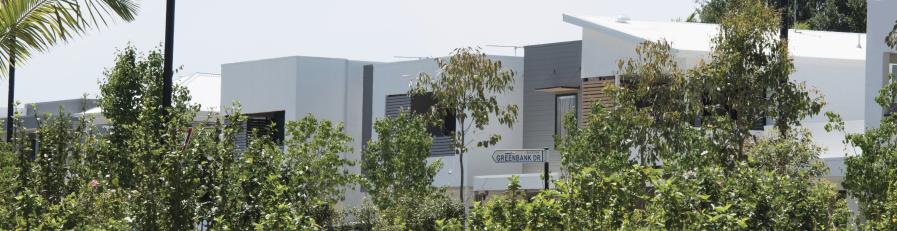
143 154
272 187
827 15
467 87
28 26
51 184
870 175
399 179
396 163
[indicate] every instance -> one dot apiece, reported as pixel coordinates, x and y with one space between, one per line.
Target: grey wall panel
366 107
546 65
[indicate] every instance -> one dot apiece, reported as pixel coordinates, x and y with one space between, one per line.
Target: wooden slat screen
593 92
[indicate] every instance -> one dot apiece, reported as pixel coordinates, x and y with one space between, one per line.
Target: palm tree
28 26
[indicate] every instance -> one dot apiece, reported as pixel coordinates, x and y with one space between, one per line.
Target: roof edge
572 19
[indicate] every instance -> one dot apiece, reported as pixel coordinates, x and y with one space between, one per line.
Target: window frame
576 109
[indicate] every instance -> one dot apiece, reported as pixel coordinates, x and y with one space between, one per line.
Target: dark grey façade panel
367 102
547 65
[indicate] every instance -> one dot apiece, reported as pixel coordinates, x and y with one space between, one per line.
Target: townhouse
847 69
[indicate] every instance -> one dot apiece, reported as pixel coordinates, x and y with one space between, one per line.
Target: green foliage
827 15
870 175
143 174
156 170
400 179
746 79
512 212
410 213
396 163
268 187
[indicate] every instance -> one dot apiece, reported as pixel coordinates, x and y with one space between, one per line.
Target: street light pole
168 71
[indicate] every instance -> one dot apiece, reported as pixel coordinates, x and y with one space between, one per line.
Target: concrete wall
395 78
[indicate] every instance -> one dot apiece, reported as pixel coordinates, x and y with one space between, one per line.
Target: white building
551 80
355 93
290 88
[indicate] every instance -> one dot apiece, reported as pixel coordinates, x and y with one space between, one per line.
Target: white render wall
395 78
327 88
880 19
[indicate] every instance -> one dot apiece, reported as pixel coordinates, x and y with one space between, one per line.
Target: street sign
518 156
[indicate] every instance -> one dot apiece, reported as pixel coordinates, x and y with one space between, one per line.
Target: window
268 123
563 105
442 141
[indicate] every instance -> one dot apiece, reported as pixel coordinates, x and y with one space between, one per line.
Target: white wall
880 19
395 78
261 86
327 88
841 83
600 53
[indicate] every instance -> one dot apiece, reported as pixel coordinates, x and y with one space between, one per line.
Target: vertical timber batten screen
593 92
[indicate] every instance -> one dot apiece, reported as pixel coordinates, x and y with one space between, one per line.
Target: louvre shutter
395 103
442 144
258 125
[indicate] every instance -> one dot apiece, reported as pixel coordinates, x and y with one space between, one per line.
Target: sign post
503 156
547 176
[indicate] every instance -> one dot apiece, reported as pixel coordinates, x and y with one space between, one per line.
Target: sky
209 33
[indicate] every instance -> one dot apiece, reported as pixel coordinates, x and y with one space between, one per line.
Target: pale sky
209 33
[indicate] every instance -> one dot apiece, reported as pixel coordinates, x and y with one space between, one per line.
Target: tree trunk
10 105
461 164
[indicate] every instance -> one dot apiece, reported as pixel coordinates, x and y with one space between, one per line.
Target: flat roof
698 36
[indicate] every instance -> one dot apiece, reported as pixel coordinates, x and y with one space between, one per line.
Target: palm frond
29 26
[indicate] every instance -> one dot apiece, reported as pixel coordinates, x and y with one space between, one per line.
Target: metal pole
169 56
783 30
545 159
